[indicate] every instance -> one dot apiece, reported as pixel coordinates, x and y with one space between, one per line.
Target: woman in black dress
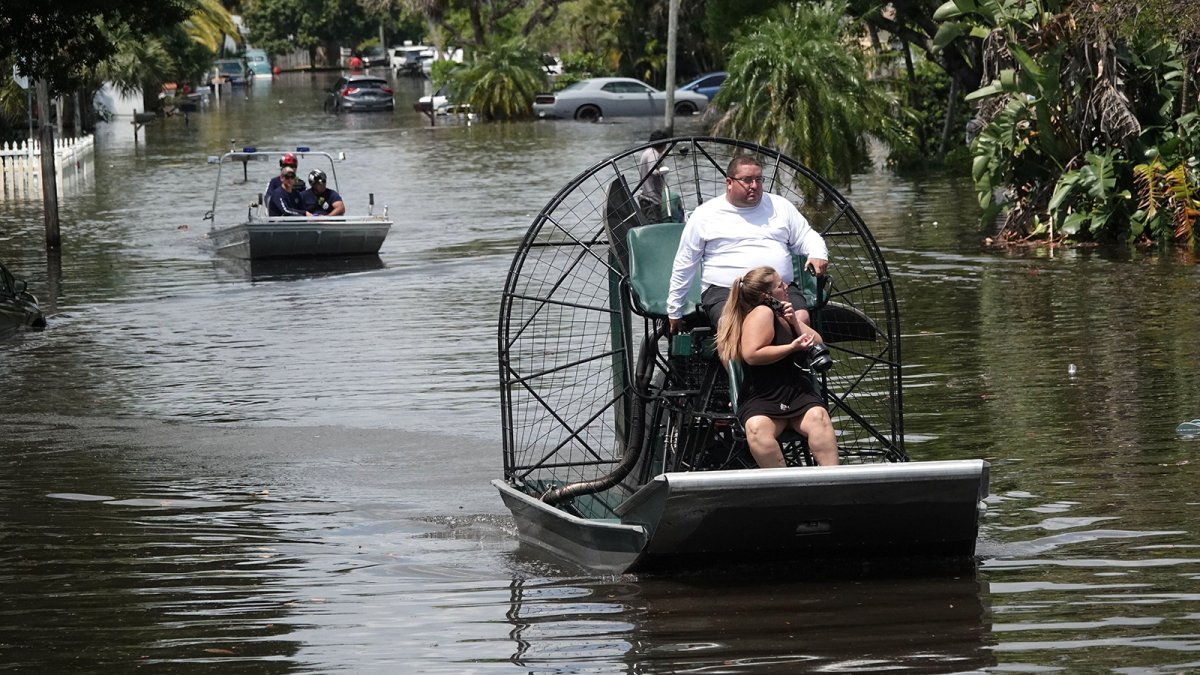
760 328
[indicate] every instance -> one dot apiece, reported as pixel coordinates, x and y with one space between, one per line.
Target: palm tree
140 60
800 84
209 25
502 82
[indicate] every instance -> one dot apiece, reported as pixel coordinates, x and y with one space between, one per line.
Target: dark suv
360 92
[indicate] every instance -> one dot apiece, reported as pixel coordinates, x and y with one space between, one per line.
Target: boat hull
695 519
301 237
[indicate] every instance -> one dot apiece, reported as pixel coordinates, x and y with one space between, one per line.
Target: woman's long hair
748 292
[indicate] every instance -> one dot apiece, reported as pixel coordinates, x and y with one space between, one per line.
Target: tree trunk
911 72
78 126
60 111
951 102
49 176
672 37
477 26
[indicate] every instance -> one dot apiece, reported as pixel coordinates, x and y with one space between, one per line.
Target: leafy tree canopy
281 25
1086 123
61 40
800 84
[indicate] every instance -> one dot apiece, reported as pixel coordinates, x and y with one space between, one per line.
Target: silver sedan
589 100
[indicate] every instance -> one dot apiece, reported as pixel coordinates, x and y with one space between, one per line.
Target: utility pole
672 32
49 175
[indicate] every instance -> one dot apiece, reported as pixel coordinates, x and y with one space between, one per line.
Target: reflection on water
209 464
772 625
291 270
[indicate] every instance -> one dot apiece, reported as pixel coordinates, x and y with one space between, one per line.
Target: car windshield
231 67
368 84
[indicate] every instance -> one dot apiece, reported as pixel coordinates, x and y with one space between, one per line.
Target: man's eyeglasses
751 181
287 178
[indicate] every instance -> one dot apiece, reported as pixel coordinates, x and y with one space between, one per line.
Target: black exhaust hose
645 370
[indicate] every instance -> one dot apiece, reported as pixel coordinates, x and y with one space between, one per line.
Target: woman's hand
803 342
789 312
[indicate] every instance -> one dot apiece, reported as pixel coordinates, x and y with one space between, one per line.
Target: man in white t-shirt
736 232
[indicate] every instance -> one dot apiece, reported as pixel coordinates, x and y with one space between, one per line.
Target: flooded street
213 466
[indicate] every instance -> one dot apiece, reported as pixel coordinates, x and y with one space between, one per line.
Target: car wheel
685 108
588 113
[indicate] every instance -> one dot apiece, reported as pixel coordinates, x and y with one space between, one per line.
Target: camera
819 359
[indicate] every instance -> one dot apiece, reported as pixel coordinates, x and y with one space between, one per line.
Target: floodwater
215 467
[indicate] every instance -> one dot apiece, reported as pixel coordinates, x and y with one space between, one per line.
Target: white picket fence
21 165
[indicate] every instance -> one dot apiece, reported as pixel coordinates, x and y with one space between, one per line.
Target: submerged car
589 100
374 57
436 102
360 92
233 71
410 59
18 307
258 63
707 84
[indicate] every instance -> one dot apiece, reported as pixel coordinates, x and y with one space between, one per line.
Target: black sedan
18 307
360 92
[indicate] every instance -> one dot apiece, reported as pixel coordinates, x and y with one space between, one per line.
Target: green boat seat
794 446
651 253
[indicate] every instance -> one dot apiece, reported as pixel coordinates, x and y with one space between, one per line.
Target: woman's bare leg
818 429
761 435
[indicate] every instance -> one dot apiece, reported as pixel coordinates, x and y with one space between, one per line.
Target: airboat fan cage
569 344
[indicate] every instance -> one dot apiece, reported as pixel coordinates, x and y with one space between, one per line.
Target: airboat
622 452
252 234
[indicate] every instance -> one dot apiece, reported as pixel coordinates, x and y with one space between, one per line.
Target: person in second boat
320 200
288 160
285 199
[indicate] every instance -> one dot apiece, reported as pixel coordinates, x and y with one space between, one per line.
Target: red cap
288 159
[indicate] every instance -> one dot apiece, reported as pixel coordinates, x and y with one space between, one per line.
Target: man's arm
807 242
279 206
338 207
683 274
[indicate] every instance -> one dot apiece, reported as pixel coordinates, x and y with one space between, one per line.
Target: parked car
258 63
408 60
436 102
589 100
233 71
374 57
18 307
360 92
441 104
707 84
